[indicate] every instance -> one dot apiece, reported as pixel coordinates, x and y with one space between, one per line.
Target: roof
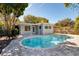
35 24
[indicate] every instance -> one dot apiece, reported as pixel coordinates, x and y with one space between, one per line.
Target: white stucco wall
22 30
47 31
39 30
42 31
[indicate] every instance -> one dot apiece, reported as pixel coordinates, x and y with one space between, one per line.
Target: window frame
49 27
46 27
27 28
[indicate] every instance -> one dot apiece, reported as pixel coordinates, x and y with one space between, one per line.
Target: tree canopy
64 23
76 26
75 5
16 8
6 9
67 4
34 19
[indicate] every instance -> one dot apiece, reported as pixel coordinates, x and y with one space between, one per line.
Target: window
46 27
33 29
49 27
39 27
27 28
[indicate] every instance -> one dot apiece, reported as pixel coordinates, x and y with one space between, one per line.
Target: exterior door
33 29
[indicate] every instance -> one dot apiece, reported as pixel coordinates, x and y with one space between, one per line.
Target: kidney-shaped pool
44 41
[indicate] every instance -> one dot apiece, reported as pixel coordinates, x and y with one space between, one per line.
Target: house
38 28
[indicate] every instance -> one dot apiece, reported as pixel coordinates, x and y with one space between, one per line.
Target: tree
34 19
41 20
74 5
1 24
12 22
64 23
1 20
15 8
76 26
30 19
67 4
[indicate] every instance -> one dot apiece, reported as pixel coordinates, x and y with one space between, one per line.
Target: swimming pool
44 41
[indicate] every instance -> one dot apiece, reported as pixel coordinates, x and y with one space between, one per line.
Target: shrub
15 32
1 32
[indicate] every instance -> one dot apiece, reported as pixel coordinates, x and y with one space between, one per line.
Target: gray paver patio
15 49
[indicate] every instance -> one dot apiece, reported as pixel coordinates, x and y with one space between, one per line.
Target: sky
52 11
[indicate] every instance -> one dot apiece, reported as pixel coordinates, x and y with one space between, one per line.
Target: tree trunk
6 26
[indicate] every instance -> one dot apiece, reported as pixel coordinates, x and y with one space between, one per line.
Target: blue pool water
44 41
